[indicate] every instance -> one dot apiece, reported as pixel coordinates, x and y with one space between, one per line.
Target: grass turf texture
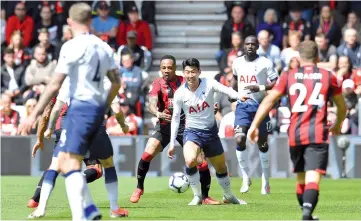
339 199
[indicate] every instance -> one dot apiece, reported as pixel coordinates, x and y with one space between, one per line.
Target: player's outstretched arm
43 122
54 116
114 78
263 110
218 87
153 103
177 110
341 114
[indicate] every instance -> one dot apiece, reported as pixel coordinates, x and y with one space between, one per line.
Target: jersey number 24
316 99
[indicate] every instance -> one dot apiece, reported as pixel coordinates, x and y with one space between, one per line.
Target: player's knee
153 149
191 162
241 142
107 162
54 164
263 146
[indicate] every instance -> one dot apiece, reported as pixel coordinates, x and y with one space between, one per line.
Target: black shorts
162 133
309 157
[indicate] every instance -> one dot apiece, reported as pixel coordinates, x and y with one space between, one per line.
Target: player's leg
93 169
153 147
264 154
242 156
190 152
300 187
215 153
34 201
316 159
102 150
47 187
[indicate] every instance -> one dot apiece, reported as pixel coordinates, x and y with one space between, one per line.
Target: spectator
339 8
230 4
295 23
105 26
344 68
327 54
21 53
236 23
48 22
260 7
45 43
29 107
305 8
148 14
142 57
3 27
226 127
351 47
20 21
348 87
40 70
353 21
294 39
272 26
356 77
67 35
232 53
144 37
118 9
12 77
269 50
134 83
294 64
9 117
327 25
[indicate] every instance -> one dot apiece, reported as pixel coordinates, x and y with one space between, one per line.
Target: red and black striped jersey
309 89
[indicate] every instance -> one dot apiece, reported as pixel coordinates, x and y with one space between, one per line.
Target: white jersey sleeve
271 71
177 109
220 88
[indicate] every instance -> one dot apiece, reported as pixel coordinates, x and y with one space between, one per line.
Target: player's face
191 74
251 47
167 68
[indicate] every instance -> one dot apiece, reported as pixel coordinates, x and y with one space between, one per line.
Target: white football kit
198 107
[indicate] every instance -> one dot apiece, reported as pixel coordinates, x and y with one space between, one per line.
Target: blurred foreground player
94 170
309 88
196 99
161 106
253 76
86 60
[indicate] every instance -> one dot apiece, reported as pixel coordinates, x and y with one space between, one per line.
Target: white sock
195 184
225 183
242 157
75 183
112 189
88 199
264 157
46 189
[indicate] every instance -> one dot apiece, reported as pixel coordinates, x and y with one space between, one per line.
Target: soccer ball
179 182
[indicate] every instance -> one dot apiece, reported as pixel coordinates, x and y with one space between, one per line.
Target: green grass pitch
339 199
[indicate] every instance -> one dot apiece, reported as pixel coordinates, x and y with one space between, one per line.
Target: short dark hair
170 57
9 51
191 62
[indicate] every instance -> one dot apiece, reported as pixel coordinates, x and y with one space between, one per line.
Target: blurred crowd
280 27
32 33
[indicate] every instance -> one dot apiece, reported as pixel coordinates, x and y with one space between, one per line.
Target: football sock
194 177
310 199
300 188
264 157
36 196
143 168
88 204
111 184
91 174
74 183
225 182
47 187
242 157
205 178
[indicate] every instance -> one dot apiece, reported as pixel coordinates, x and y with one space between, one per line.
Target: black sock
310 199
300 188
205 179
36 196
91 174
143 168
